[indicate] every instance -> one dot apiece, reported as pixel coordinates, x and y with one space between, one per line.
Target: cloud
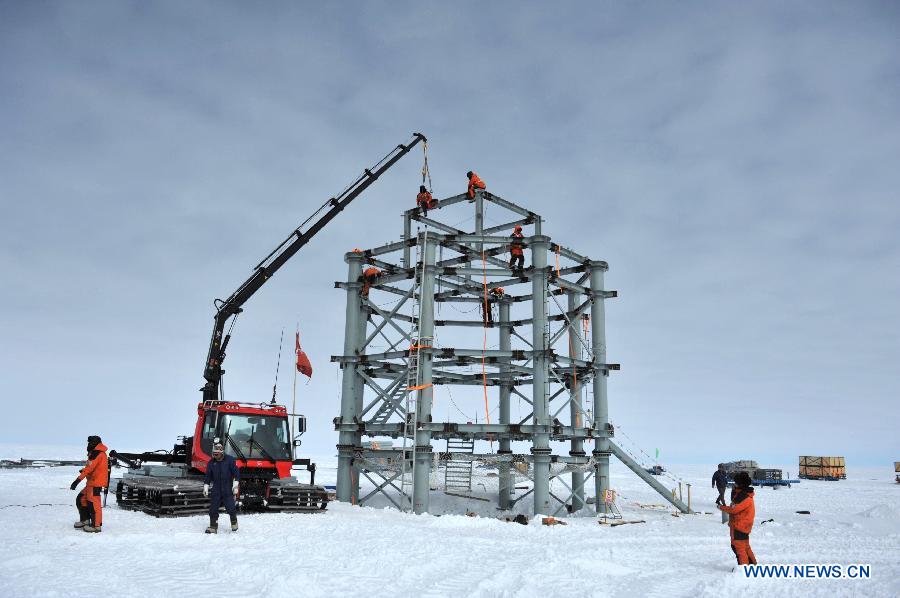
735 165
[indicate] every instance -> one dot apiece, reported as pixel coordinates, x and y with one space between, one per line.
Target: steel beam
644 475
496 199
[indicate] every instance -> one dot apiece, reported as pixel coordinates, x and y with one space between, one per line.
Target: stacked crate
822 468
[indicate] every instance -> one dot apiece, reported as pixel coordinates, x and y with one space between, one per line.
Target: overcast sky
735 163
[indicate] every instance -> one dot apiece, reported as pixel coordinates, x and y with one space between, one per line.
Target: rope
667 473
461 412
425 171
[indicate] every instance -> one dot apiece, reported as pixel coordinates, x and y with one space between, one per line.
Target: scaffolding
550 358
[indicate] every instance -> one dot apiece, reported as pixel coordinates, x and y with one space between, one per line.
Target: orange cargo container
822 468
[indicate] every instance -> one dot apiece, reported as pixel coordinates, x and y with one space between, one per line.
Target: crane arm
231 307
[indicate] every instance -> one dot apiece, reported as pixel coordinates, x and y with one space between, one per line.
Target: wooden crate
822 461
815 472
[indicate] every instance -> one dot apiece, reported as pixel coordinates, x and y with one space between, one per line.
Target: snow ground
349 551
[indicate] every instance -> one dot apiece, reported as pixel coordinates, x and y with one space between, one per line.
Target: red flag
303 364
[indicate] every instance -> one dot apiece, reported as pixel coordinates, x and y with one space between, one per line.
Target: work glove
234 487
74 484
205 489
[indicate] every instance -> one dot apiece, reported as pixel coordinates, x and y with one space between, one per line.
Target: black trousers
520 259
85 513
721 499
487 313
221 499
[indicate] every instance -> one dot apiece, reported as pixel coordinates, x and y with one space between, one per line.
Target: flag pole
294 403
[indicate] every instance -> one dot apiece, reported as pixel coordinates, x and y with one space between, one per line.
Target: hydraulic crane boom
231 307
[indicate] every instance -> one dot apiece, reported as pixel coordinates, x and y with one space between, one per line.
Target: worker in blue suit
222 472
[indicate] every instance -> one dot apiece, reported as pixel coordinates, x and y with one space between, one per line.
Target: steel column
347 483
575 408
601 407
425 396
505 478
407 234
539 393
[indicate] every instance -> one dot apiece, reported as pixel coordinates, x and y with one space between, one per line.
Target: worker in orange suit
475 182
370 275
487 305
425 201
96 472
740 518
517 249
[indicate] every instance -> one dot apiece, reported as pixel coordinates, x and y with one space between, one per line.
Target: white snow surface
353 551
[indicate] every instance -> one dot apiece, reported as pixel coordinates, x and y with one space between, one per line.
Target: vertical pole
505 479
362 323
539 393
347 482
421 495
575 406
479 226
601 407
479 212
407 234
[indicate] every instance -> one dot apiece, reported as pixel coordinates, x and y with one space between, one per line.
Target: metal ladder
413 379
458 472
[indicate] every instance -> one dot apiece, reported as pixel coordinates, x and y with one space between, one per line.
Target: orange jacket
425 200
516 246
475 183
742 511
97 470
371 272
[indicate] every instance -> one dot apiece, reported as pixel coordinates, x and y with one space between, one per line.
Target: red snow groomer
257 435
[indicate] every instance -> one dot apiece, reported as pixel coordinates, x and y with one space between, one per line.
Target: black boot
213 526
84 513
234 525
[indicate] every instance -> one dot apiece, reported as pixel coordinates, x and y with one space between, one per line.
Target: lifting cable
425 171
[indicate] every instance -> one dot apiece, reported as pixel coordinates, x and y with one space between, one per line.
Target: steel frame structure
390 393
